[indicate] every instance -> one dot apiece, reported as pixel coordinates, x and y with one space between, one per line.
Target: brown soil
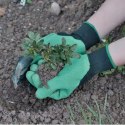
47 73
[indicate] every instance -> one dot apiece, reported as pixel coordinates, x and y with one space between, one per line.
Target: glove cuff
100 61
88 34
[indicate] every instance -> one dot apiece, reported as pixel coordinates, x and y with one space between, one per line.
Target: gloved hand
86 33
64 83
68 78
73 75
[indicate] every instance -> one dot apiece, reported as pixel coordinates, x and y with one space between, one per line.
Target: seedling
55 57
32 45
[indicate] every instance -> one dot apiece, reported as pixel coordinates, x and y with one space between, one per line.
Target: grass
92 114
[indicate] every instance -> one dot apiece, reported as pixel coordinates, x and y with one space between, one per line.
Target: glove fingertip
29 75
34 67
40 62
40 94
36 80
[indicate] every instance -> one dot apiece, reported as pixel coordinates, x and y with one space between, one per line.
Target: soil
47 73
20 105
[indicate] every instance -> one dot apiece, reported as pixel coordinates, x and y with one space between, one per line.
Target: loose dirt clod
47 73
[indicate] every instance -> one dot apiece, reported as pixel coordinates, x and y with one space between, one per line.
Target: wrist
88 34
100 61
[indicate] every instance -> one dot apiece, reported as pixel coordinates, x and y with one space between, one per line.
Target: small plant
32 44
54 57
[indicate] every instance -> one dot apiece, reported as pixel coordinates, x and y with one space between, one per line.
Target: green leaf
31 35
29 1
37 37
53 66
76 55
73 47
69 61
27 40
63 56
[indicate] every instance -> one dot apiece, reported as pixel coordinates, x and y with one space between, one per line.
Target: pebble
87 97
94 97
53 73
110 93
47 120
22 116
33 118
41 119
1 108
55 121
55 8
13 112
45 114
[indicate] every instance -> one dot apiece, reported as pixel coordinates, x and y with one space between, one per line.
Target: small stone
87 97
41 119
82 122
110 93
55 121
94 97
53 73
45 114
33 118
28 114
32 101
55 8
65 115
117 105
9 119
13 112
1 108
22 116
47 120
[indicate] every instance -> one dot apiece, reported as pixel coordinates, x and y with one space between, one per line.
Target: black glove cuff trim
87 34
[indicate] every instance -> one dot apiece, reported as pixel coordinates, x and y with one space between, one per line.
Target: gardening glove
61 86
55 39
72 76
86 33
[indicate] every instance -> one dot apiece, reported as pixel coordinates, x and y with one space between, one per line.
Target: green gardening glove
68 78
64 83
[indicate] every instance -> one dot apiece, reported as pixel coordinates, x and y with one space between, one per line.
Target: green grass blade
91 110
105 104
72 118
99 113
83 113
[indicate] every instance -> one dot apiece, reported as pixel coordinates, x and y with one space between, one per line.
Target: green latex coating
34 67
110 58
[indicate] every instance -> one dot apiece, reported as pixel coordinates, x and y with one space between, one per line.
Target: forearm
117 51
110 15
